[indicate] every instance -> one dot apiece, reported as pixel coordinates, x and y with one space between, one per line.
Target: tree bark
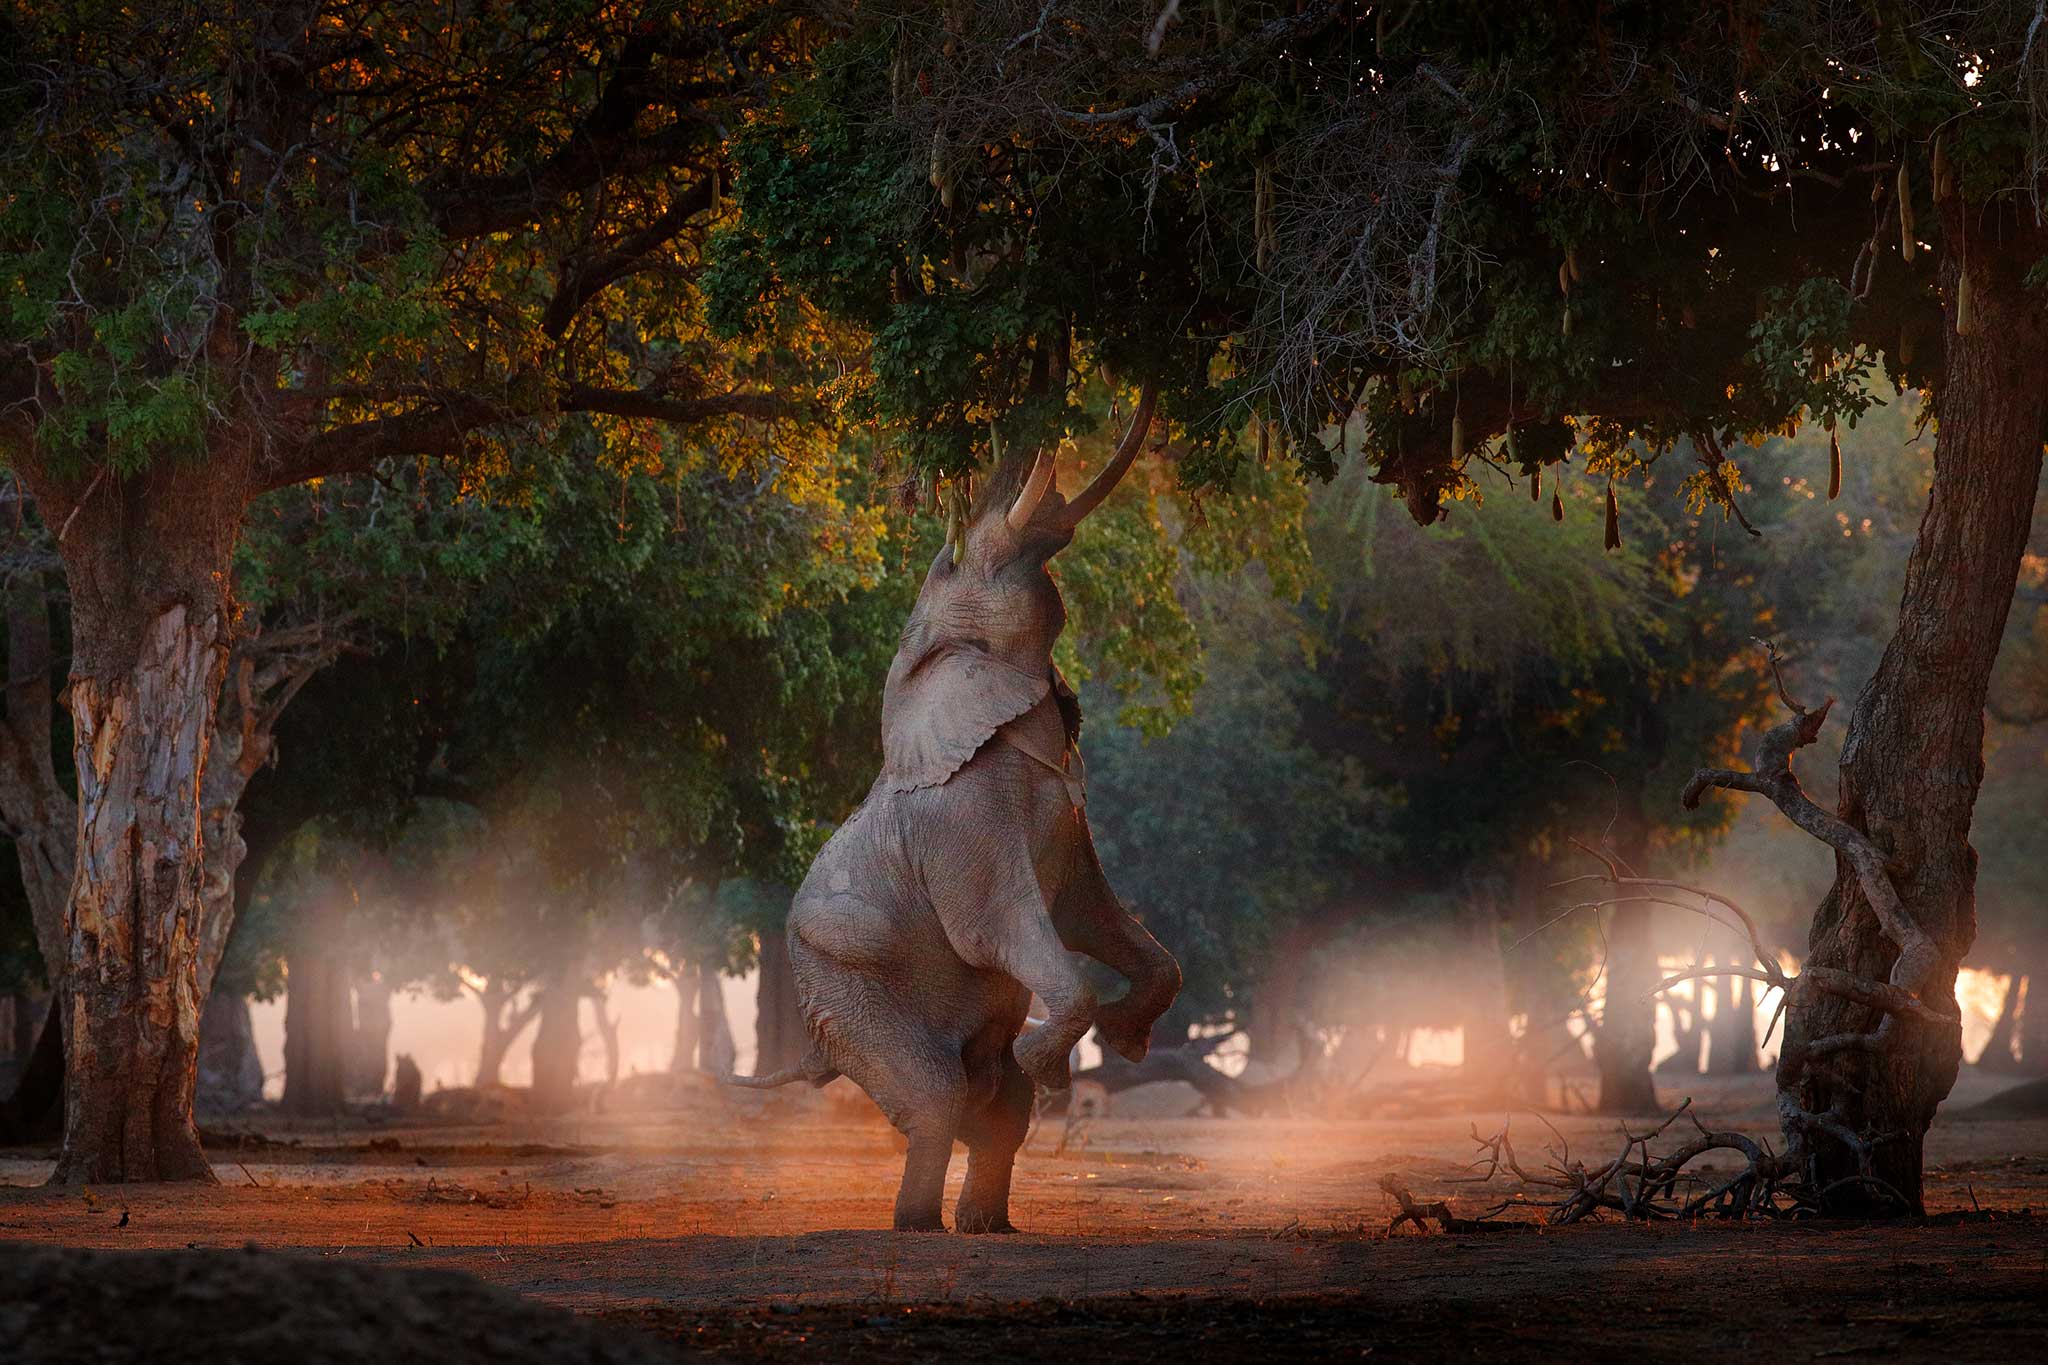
504 1020
1489 1047
1686 1032
779 1021
319 1029
22 1016
555 1046
715 1053
2032 1027
684 1055
607 1025
1732 1044
1627 1037
1277 1001
131 977
148 558
35 1111
42 812
1913 757
369 1054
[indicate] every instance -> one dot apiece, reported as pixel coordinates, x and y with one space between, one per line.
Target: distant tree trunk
1276 1003
24 1019
369 1054
1489 1049
1687 1033
1626 1041
715 1052
1733 1052
40 809
405 1085
2032 1026
556 1044
683 1057
1913 758
505 1018
319 1027
779 1020
607 1025
1627 1037
1998 1052
35 1111
230 1072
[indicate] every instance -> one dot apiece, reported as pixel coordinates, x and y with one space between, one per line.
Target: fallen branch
1419 1214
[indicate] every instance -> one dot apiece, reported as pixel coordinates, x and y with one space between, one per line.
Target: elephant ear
942 706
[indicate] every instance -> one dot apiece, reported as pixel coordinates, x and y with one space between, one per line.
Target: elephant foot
1129 1038
1043 1058
920 1223
976 1221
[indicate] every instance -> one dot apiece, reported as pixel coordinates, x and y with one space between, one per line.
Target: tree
1593 234
248 248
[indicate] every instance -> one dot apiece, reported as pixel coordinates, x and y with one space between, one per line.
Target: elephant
967 880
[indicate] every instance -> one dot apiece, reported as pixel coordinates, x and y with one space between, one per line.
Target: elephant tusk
1119 463
1033 492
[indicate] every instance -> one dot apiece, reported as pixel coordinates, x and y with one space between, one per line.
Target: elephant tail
813 1068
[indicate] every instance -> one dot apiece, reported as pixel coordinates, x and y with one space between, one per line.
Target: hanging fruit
1905 211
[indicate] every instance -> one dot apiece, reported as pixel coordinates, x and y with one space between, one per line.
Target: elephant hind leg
914 1075
993 1134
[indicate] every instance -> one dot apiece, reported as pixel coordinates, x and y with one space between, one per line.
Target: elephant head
977 652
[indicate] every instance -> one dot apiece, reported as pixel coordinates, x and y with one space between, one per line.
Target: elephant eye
975 642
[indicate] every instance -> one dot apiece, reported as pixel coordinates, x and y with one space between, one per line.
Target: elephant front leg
1036 958
1092 921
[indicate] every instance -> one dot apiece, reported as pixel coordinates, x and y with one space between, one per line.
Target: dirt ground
753 1226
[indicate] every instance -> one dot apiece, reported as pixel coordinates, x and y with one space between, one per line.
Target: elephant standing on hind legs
967 881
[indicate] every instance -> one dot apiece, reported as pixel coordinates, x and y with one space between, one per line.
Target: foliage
1435 234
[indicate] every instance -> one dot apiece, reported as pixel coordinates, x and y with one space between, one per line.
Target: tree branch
583 279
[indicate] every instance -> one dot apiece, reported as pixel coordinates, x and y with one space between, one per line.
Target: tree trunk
2032 1027
607 1025
555 1046
1733 1043
1627 1037
230 1072
779 1030
504 1020
41 811
24 1021
684 1055
1998 1054
1276 1004
319 1030
369 1054
131 979
1913 757
1489 1048
35 1111
1685 1031
715 1052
